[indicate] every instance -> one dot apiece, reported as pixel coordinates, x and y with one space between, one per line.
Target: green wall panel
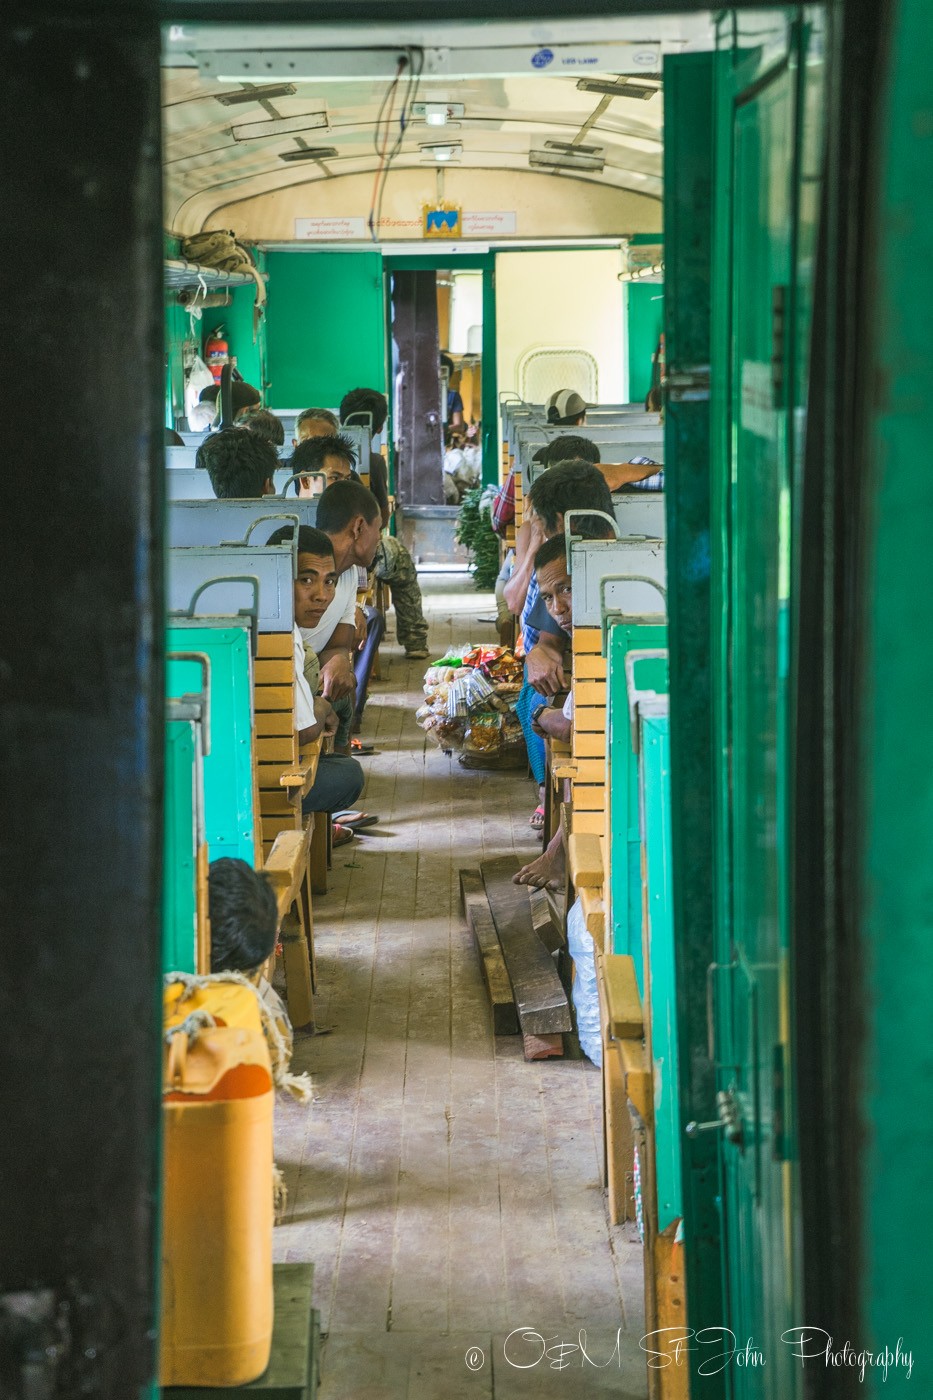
645 322
326 327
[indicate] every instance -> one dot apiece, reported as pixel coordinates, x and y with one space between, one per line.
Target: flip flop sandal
361 746
537 819
340 835
354 820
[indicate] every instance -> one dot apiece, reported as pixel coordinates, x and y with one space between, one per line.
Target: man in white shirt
339 779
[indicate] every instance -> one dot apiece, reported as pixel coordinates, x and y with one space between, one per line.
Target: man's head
554 584
350 514
566 409
568 448
244 916
315 422
316 579
238 463
332 456
361 405
574 485
242 396
264 423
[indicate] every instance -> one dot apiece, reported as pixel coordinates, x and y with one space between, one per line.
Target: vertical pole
81 729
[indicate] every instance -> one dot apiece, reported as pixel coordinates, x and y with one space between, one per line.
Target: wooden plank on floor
495 973
544 925
539 995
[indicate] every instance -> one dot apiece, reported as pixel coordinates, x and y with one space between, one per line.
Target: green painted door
751 982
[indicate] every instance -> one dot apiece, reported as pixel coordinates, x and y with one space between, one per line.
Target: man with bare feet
555 592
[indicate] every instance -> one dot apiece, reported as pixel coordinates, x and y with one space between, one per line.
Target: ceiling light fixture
619 89
263 94
447 151
309 153
437 113
563 160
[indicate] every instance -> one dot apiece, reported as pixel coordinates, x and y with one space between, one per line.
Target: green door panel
229 816
341 292
756 436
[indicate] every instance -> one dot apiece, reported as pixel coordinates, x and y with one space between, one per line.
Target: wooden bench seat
287 867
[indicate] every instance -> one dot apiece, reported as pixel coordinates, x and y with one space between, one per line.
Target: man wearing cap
566 409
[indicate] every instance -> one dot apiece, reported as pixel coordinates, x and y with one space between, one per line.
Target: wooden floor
447 1192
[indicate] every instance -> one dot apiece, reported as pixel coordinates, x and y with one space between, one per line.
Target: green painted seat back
655 793
229 815
179 880
625 906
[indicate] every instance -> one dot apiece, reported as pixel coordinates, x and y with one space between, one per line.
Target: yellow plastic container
217 1311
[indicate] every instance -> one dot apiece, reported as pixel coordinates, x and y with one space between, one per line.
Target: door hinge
778 342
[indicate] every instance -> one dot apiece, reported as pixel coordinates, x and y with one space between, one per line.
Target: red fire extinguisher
216 352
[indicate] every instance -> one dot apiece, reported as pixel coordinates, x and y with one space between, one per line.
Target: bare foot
545 873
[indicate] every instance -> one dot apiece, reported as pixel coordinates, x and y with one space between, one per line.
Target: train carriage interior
471 832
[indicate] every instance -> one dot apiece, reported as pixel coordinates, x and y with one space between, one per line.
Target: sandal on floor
361 746
354 820
340 835
537 819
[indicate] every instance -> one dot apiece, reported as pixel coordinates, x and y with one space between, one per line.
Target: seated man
556 594
244 916
339 779
242 395
332 457
573 485
634 475
315 422
266 424
239 464
394 564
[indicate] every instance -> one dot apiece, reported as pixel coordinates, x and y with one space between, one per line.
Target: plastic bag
585 994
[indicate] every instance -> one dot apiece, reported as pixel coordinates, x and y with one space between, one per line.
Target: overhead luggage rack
180 275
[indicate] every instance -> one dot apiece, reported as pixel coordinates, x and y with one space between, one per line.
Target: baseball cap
566 403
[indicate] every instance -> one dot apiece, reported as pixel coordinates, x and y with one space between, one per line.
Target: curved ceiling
219 154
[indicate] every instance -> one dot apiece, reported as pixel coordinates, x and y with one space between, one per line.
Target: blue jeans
338 784
527 703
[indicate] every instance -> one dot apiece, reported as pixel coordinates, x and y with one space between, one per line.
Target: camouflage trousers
395 567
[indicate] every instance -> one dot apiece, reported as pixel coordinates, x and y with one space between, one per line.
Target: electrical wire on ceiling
415 65
388 101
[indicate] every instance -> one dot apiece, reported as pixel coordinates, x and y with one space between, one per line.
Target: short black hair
358 404
343 502
549 551
310 540
239 463
242 395
557 545
574 485
244 915
309 455
266 424
568 448
446 362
